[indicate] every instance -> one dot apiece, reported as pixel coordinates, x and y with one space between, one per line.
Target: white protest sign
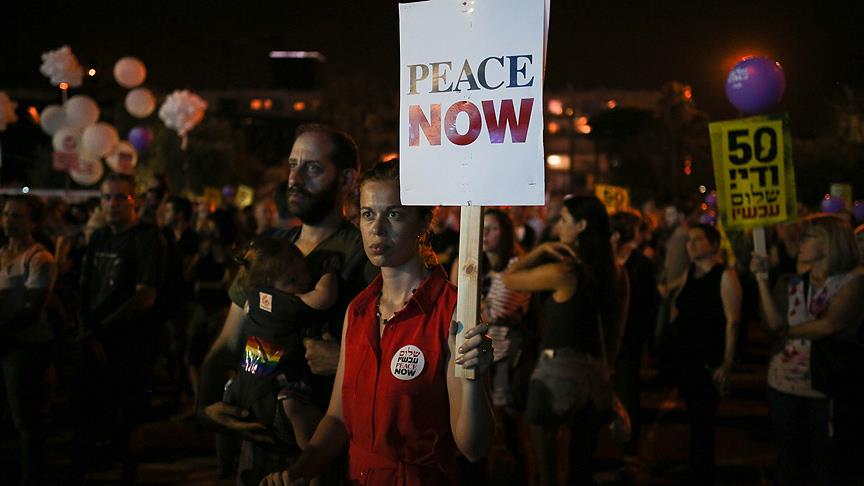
471 102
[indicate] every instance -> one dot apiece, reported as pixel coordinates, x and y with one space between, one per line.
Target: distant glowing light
268 103
688 94
92 72
702 189
299 106
64 86
389 156
255 104
611 104
688 170
25 189
552 128
556 107
585 129
34 114
704 206
569 112
558 162
298 55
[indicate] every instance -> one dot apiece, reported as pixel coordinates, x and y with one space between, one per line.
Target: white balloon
140 102
130 72
81 111
87 171
123 159
99 139
52 118
67 139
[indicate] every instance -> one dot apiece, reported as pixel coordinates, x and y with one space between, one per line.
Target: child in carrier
281 305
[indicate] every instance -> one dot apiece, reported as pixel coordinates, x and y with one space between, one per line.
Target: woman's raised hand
559 251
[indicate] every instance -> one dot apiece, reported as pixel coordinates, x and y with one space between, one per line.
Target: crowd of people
316 332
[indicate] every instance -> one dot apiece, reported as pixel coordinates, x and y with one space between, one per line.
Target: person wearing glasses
122 272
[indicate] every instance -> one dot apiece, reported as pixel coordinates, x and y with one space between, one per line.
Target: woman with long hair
584 318
823 300
396 402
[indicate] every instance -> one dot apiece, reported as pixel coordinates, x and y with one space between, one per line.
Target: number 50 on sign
753 171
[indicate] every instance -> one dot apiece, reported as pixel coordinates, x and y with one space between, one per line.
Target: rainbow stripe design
261 357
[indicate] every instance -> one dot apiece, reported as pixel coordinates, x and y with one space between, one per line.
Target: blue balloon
711 199
832 204
140 137
755 85
708 217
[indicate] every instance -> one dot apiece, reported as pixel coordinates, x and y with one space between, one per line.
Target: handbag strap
602 339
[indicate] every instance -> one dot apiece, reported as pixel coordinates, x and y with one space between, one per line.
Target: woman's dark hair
34 204
711 233
598 269
508 246
389 172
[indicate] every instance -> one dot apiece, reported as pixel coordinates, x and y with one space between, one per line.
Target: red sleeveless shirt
394 392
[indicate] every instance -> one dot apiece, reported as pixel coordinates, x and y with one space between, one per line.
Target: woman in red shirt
396 402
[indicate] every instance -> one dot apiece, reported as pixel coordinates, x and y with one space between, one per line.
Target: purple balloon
228 191
832 204
858 211
708 217
755 84
711 199
140 137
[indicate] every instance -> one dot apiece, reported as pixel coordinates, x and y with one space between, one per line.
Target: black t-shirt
115 264
188 243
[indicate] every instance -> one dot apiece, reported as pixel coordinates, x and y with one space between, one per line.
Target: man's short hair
182 206
117 177
344 155
626 224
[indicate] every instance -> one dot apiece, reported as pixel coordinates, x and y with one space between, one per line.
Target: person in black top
699 356
121 276
584 319
641 317
321 169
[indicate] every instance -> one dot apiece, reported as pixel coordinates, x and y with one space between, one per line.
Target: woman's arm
323 296
471 418
845 309
530 274
730 293
772 315
330 437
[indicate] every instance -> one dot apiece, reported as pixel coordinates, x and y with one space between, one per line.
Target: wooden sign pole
468 305
759 245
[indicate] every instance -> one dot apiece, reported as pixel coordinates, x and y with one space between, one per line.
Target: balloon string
65 95
184 142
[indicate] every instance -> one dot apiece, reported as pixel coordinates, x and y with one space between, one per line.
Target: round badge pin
407 363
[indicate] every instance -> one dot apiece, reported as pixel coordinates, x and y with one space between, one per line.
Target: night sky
612 44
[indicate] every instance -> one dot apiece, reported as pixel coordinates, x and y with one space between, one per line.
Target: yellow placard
753 171
213 195
245 196
615 198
